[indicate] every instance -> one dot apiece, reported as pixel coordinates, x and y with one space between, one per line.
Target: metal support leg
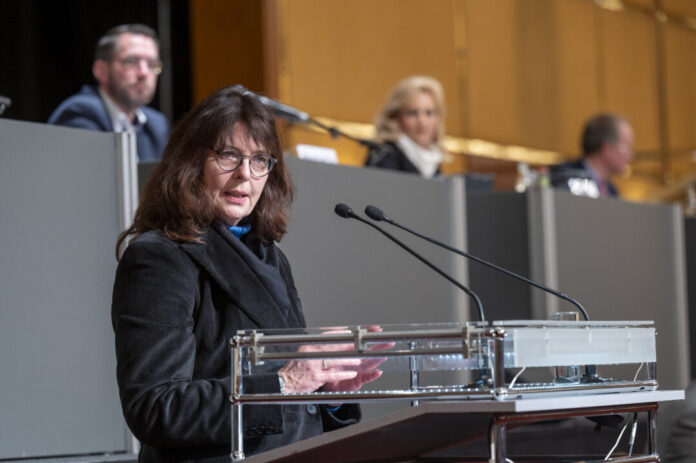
498 363
237 436
236 410
497 438
652 432
414 372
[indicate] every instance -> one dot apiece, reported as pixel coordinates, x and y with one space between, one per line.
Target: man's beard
124 99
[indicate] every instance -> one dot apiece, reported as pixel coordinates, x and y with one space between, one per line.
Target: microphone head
343 210
375 213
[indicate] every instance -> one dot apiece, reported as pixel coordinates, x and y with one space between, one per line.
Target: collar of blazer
220 256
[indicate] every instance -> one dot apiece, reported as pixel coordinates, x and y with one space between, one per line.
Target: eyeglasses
260 165
133 62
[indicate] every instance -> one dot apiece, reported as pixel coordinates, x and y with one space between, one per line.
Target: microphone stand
376 214
343 210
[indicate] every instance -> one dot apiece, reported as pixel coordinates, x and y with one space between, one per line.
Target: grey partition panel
497 231
348 273
58 203
623 261
690 240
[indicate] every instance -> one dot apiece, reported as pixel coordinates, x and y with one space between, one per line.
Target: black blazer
389 156
175 307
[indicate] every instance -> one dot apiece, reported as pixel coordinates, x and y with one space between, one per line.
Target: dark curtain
47 49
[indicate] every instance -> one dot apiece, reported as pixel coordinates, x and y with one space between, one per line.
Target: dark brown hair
106 47
175 199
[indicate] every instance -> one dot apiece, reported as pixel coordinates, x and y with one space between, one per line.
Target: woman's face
235 193
420 119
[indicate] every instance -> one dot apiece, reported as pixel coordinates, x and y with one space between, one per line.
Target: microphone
378 215
295 115
343 210
279 109
284 111
5 103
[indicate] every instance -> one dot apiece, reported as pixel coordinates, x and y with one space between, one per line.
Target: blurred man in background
607 147
126 66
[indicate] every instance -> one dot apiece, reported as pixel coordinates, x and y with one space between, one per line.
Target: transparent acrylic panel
452 360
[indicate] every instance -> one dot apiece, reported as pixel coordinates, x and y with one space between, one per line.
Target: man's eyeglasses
133 62
260 165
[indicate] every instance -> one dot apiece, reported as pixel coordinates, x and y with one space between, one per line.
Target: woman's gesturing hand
345 374
310 375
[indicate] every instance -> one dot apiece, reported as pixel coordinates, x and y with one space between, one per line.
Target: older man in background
607 146
126 66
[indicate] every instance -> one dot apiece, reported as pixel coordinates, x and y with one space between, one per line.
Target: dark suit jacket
86 110
175 307
561 173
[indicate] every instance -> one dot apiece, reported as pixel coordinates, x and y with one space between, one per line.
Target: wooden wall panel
494 111
629 72
532 71
578 68
680 59
339 59
684 7
343 57
537 81
226 45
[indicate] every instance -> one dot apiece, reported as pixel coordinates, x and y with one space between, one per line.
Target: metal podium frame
474 346
344 445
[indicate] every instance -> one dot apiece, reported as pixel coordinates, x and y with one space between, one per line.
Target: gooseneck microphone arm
335 133
343 210
376 214
294 115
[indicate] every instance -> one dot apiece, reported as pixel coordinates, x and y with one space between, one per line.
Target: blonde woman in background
410 128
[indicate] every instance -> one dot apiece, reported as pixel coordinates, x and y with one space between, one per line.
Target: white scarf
426 160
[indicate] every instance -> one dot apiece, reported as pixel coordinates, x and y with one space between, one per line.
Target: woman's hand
310 375
366 370
348 374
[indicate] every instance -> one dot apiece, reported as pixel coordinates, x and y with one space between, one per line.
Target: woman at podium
201 264
410 128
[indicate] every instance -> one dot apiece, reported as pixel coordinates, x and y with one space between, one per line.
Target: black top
389 156
175 307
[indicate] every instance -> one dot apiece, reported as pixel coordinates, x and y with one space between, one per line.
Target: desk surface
435 424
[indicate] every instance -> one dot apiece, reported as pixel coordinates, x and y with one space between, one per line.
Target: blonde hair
386 122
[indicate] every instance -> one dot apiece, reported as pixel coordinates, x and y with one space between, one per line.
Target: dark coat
175 307
87 110
561 173
388 156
